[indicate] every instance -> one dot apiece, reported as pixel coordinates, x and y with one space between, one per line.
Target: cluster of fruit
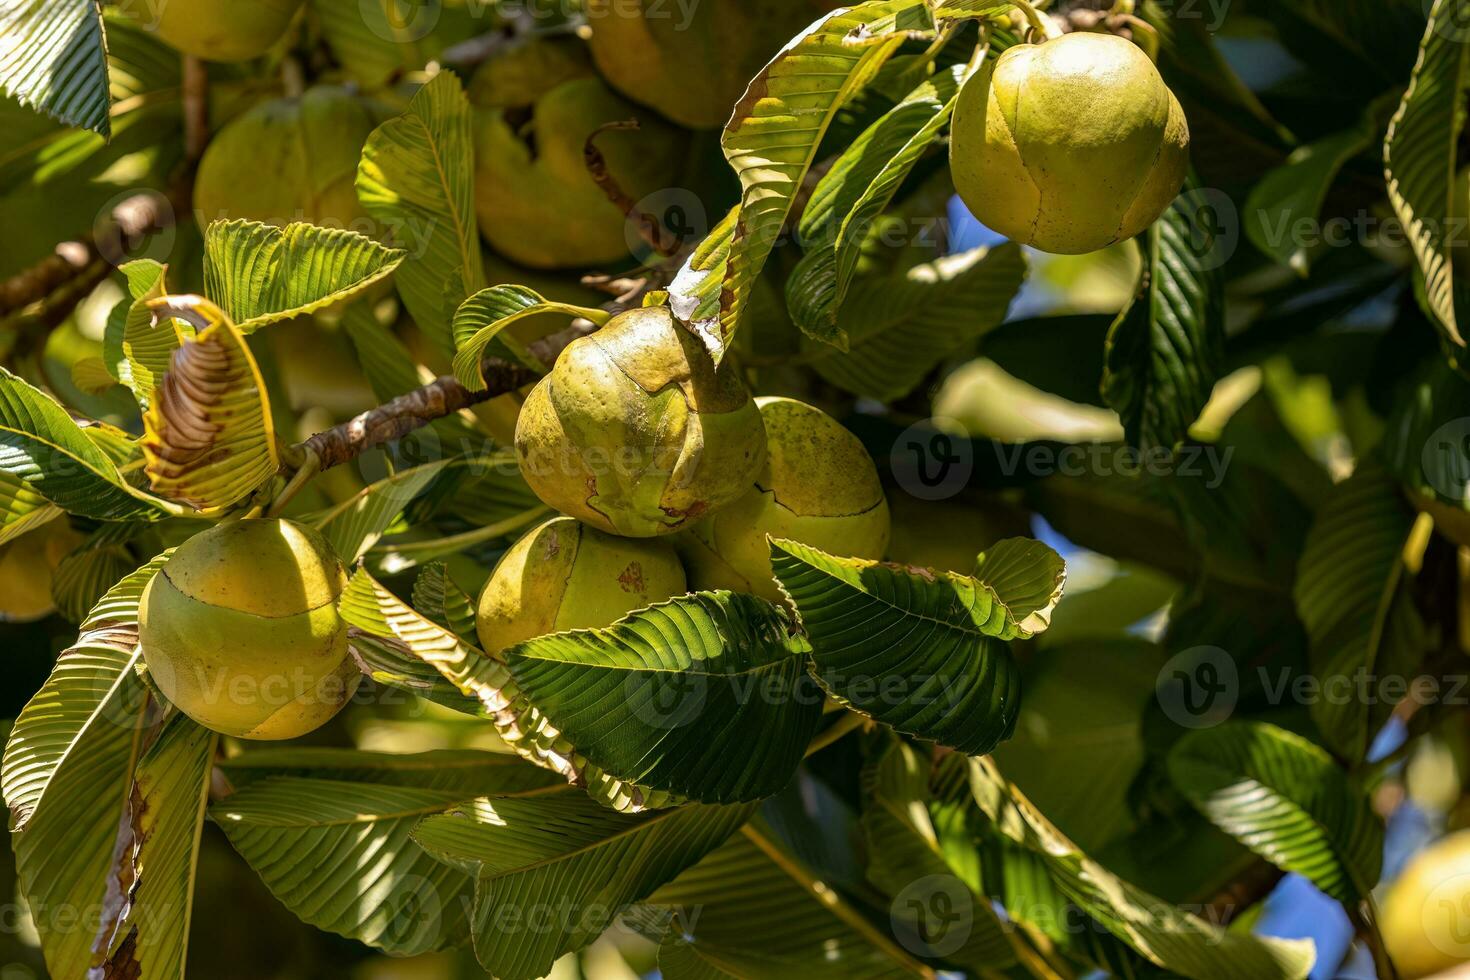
535 107
672 477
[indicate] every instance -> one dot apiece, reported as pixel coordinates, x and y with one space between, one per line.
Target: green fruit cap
635 432
535 200
563 575
217 30
288 160
1070 145
819 486
240 630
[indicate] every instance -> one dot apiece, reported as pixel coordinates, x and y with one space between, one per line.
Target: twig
64 278
436 400
649 227
835 732
1248 888
196 107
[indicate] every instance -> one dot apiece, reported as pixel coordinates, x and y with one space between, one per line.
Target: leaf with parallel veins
209 440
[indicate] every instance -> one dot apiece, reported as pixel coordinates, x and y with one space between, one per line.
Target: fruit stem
309 468
196 107
1040 23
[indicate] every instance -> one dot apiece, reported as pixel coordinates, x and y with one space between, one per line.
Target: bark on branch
436 400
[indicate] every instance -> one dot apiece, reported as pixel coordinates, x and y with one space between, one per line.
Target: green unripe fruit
692 62
819 486
1070 145
240 630
563 575
1424 916
288 160
217 30
27 566
635 432
535 199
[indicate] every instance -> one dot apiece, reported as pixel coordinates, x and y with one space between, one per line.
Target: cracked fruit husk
1070 145
536 201
240 630
217 30
819 486
289 160
635 432
563 575
1422 917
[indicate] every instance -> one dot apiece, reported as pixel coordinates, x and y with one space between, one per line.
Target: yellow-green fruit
240 630
563 575
217 30
289 160
535 199
1426 913
635 432
819 486
26 567
692 62
1070 145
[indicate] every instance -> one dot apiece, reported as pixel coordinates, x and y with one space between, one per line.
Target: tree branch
436 400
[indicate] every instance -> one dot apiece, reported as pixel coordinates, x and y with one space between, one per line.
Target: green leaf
135 349
695 293
339 855
360 521
903 848
42 446
21 508
1167 936
480 321
852 195
701 696
1419 157
53 58
1287 800
923 652
409 637
83 577
437 596
1353 594
776 128
1166 349
1027 577
68 774
261 274
417 177
969 9
753 910
208 436
569 854
1291 196
165 820
899 327
463 770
